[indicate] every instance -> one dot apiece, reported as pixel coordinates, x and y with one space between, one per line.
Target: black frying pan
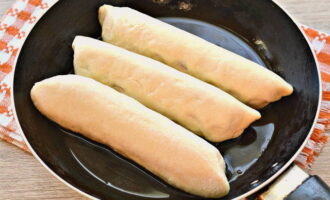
256 29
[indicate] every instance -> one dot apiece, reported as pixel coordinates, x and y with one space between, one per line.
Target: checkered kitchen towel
20 19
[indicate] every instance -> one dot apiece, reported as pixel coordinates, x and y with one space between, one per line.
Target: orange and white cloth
19 20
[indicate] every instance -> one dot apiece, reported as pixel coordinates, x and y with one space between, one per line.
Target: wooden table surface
22 177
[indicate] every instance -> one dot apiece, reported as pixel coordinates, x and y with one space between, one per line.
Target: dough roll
242 78
198 106
104 115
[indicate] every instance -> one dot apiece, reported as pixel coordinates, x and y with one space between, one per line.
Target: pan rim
244 195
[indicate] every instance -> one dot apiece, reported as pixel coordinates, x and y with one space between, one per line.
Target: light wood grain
312 13
22 177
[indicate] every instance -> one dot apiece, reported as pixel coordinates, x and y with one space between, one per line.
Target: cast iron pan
256 29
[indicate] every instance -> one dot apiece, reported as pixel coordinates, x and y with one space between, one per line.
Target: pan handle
312 188
296 184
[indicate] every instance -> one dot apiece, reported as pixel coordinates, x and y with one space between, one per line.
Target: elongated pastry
104 115
200 107
244 79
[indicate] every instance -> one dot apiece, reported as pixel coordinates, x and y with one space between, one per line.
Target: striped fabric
14 27
321 44
20 19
